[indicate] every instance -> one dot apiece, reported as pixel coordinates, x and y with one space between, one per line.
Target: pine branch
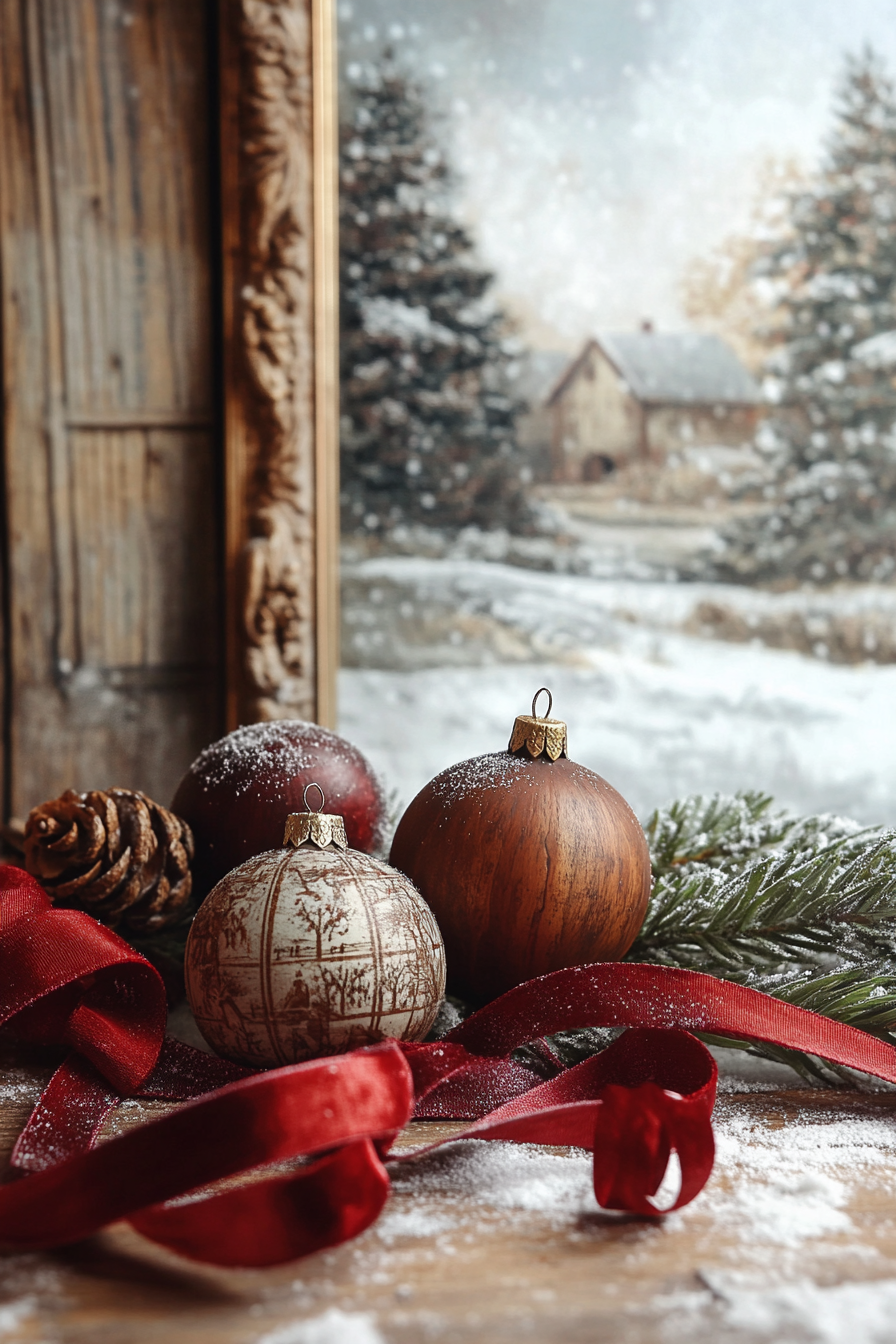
713 830
803 909
798 907
850 996
726 831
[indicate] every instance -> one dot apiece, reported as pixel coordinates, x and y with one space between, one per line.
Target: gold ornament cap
315 828
537 736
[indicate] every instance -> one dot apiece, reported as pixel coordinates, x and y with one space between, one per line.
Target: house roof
673 368
540 371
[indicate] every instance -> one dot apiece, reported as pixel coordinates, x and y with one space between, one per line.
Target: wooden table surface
796 1231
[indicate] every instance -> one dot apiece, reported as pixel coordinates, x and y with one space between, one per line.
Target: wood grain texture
281 396
529 866
127 100
146 569
461 1274
108 422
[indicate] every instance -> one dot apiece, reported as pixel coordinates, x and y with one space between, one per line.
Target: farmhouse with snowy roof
645 395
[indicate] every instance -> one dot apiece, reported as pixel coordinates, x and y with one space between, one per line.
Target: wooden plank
445 1267
144 545
181 611
138 729
110 561
111 462
26 363
129 134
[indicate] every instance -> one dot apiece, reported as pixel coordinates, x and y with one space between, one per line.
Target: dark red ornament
239 791
530 862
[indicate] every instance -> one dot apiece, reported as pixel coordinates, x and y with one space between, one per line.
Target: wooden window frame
279 199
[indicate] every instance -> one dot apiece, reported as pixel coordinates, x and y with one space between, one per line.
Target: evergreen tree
831 374
427 412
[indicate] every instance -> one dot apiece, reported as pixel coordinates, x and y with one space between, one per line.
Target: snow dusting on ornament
249 751
498 770
239 791
529 861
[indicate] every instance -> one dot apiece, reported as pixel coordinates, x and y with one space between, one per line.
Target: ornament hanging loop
536 736
543 691
308 808
315 828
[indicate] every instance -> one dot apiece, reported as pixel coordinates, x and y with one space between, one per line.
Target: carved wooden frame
279 185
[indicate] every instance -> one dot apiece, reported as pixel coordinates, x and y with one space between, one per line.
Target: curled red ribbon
67 980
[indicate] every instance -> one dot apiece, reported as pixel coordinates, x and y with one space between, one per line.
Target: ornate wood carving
278 335
273 327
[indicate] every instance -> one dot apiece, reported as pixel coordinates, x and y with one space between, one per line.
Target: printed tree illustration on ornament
311 966
428 407
316 925
343 988
832 436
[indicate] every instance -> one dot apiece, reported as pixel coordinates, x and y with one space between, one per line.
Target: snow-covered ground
570 610
658 712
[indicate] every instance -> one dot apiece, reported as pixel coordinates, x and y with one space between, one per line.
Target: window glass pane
619 390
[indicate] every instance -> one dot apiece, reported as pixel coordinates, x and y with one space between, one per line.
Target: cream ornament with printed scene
312 949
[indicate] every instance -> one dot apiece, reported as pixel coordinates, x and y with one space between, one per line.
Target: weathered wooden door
112 459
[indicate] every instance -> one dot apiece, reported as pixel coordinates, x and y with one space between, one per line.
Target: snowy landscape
618 354
619 419
453 650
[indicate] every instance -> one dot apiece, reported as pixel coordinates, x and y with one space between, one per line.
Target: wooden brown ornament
312 950
529 861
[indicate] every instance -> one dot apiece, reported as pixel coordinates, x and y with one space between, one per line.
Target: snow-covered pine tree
428 410
832 439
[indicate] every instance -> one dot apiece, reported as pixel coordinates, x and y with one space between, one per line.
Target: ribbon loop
66 980
330 1202
632 1145
648 1094
300 1111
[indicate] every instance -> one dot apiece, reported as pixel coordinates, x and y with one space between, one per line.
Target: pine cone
116 854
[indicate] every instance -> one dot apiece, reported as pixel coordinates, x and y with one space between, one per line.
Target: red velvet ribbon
66 980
